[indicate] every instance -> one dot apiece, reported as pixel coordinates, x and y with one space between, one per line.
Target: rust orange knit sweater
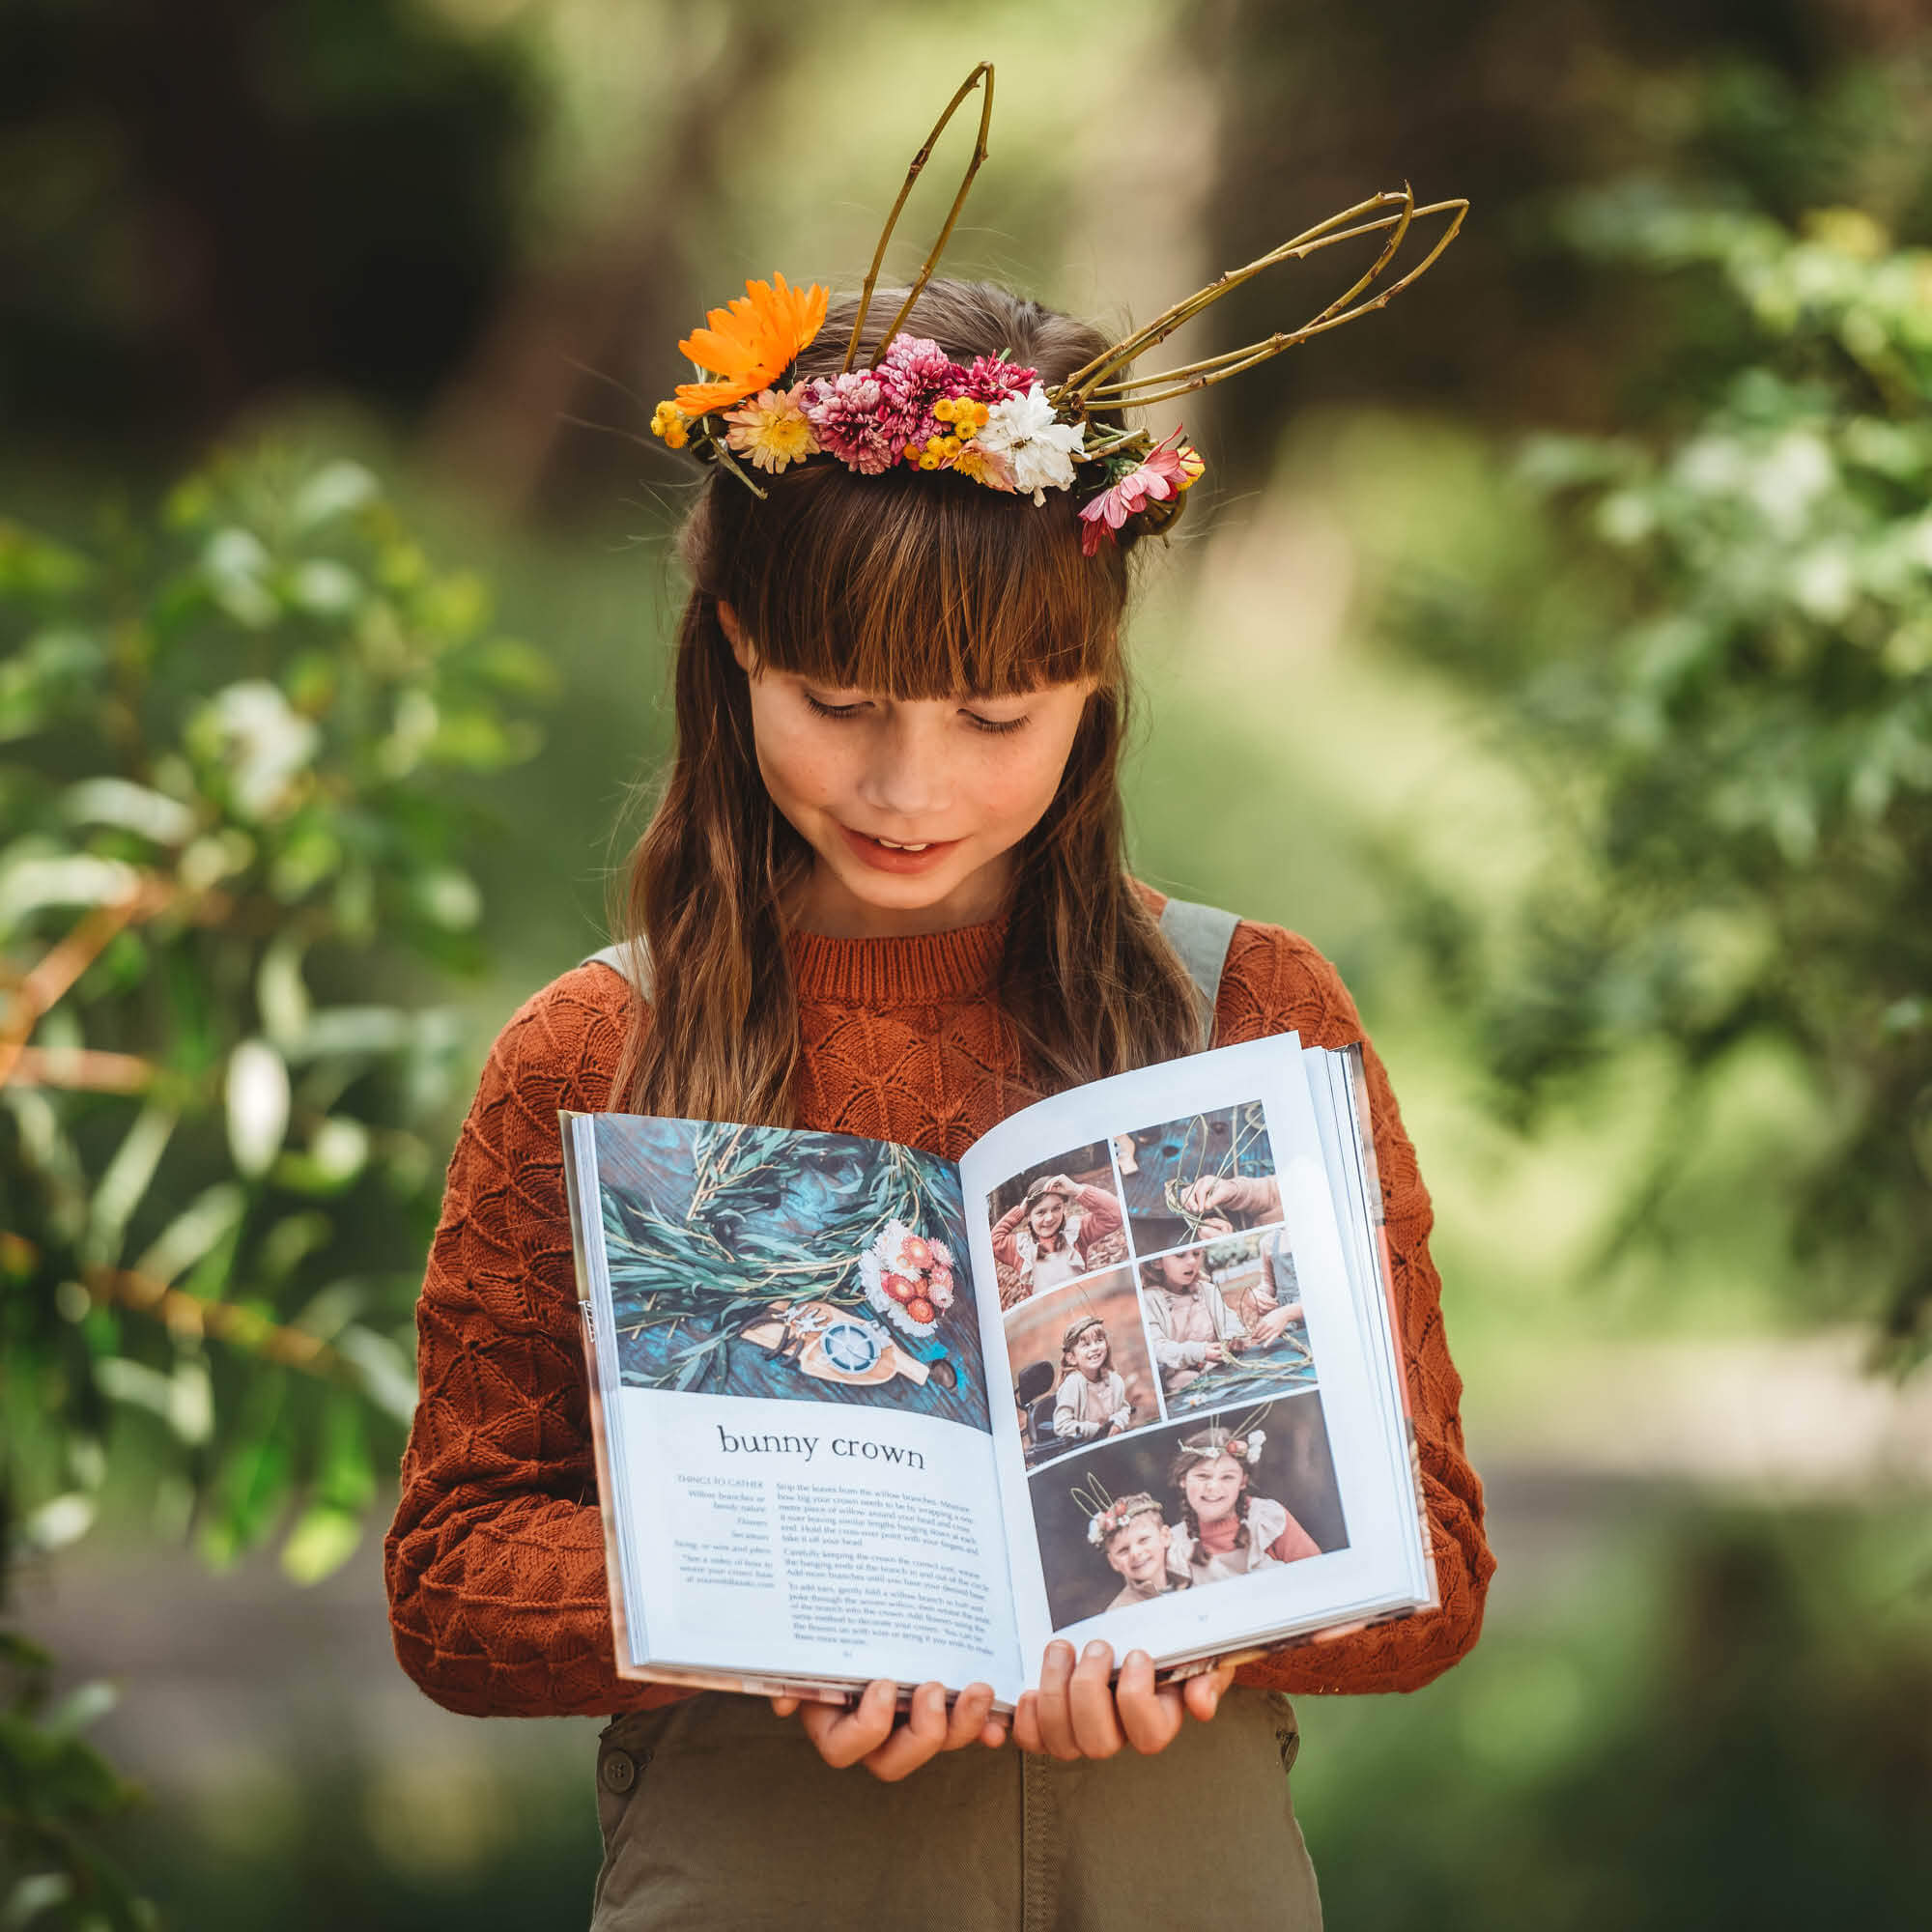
495 1559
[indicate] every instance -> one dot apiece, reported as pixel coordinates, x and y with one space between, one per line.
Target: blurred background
1553 648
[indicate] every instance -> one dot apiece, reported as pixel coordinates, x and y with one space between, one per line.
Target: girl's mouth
886 855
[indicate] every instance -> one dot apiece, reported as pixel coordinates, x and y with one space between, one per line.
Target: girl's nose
906 777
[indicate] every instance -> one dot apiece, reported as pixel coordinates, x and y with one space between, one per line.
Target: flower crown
994 421
1245 1441
1106 1517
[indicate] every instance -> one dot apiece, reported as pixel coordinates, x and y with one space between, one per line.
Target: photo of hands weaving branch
809 1266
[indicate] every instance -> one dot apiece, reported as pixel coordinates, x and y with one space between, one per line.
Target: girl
1225 1530
1188 1319
1059 1230
1093 1399
883 893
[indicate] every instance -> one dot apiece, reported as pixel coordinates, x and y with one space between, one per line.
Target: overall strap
1199 933
627 963
1202 935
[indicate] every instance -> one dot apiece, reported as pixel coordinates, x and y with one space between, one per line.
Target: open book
1128 1369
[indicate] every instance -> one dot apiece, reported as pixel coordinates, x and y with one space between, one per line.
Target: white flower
1037 450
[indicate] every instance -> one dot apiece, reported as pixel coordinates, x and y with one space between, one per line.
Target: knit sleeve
1274 982
495 1561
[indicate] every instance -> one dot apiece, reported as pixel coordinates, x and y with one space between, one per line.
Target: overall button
619 1772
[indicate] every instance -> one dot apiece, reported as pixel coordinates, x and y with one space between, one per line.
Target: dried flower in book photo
761 1262
1204 1175
1224 1321
1227 1496
1057 1220
1081 1369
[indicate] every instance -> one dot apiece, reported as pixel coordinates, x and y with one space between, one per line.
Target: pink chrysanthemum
846 414
915 374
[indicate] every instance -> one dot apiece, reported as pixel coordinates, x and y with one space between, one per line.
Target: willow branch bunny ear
918 161
1088 387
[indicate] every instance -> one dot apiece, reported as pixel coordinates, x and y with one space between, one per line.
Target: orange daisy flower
750 342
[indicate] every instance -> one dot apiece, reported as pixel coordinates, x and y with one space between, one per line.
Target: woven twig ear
1089 388
918 161
1095 1499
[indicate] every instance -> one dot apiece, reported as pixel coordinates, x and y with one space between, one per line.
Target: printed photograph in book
1060 1219
1190 1506
1199 1176
809 1267
1224 1321
1080 1365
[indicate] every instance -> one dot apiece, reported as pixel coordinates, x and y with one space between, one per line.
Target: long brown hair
917 585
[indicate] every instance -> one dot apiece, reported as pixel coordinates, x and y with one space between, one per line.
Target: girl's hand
872 1732
1203 1196
1079 1712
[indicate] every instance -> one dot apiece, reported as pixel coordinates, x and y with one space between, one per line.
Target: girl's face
1090 1352
1049 1211
912 807
1213 1485
1181 1271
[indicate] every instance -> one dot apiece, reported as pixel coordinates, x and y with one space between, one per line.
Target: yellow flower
668 421
929 461
1192 464
773 430
750 342
941 410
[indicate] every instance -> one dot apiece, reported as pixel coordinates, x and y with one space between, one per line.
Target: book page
793 1425
1196 1454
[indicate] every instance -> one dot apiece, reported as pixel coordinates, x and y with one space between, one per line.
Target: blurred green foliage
1714 647
227 752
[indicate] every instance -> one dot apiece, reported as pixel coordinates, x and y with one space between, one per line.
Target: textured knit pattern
497 1577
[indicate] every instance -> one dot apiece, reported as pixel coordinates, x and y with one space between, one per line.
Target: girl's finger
1055 1717
1150 1717
968 1719
1026 1723
1096 1724
843 1737
920 1737
1203 1694
784 1707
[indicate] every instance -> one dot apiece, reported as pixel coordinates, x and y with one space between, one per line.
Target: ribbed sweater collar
898 972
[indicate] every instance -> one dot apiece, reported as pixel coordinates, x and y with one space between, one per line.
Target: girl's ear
734 633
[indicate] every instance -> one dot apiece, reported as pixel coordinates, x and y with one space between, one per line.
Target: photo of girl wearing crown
885 889
1059 1226
1093 1399
1225 1528
1068 1351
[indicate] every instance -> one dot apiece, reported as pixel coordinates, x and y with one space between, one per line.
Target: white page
769 1521
1333 1453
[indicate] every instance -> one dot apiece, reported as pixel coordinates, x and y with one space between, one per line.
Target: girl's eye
998 727
824 710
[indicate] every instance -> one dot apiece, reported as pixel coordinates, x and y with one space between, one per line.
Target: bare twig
81 1070
918 161
48 982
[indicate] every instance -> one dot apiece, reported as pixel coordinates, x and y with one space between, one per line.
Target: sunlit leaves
223 745
1724 671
